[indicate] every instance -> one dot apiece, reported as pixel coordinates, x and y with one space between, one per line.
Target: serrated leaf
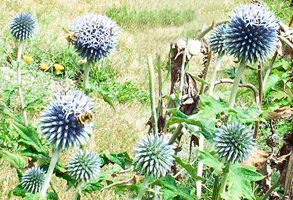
17 191
247 116
272 81
16 160
211 161
122 159
8 94
191 170
91 187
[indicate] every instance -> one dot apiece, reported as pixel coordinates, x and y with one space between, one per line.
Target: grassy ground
148 27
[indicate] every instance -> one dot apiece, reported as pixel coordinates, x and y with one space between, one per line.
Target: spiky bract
252 33
234 142
23 26
96 36
154 156
60 123
33 179
84 166
218 38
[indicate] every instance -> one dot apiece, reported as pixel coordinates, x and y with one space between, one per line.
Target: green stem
152 94
234 90
78 191
86 76
176 133
271 190
20 50
49 174
216 188
202 34
143 188
224 180
217 68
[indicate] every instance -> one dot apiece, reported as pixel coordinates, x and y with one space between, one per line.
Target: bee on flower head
71 37
85 118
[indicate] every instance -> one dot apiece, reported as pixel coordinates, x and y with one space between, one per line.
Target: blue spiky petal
23 26
218 38
154 156
59 121
252 33
84 166
33 179
234 142
96 36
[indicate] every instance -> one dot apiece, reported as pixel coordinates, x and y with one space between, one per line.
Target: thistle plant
84 166
234 144
218 45
96 36
23 27
154 157
62 127
251 37
33 179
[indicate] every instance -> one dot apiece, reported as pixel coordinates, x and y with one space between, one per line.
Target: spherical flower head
33 179
84 166
234 142
23 26
96 36
218 38
154 156
60 121
252 33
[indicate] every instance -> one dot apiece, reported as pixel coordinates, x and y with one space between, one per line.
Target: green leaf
14 159
247 116
8 93
191 170
239 182
91 187
17 191
272 81
172 190
122 159
211 161
231 72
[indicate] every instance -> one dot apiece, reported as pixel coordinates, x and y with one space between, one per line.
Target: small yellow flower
44 66
58 67
27 59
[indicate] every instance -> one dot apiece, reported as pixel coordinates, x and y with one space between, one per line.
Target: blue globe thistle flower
84 166
62 121
96 36
252 33
234 142
23 26
154 156
33 179
218 38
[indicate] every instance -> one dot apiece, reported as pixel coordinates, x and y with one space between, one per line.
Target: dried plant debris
280 113
287 33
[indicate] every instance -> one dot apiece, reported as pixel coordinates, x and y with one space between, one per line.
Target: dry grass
119 130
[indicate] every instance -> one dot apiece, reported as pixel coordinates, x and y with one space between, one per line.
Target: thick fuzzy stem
224 180
20 50
86 76
234 90
78 191
214 78
49 174
152 94
143 188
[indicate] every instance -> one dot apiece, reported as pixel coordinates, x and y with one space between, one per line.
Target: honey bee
85 118
71 37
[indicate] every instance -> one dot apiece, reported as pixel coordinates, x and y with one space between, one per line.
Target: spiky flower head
234 142
61 120
23 26
84 166
252 33
33 179
218 38
96 36
154 156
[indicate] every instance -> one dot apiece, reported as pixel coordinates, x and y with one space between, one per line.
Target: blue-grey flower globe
234 142
61 120
85 166
154 156
23 26
218 39
33 179
96 36
252 33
